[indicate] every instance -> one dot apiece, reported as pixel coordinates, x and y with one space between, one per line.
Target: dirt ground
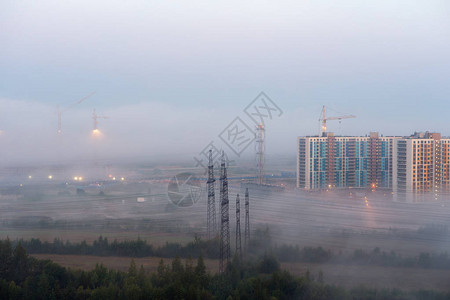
88 262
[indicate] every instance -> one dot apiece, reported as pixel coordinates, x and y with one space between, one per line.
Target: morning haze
129 128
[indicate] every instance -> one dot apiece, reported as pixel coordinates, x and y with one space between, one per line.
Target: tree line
289 253
24 277
133 248
258 246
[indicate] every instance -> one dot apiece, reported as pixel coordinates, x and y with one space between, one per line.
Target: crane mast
95 118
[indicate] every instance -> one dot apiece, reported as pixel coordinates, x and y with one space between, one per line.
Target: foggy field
344 275
334 220
339 220
350 276
48 235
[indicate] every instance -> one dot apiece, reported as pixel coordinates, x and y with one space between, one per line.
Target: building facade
330 162
415 168
422 168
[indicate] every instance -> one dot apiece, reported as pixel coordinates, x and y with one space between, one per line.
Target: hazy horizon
171 77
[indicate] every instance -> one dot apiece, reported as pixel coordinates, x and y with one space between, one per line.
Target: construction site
257 202
224 150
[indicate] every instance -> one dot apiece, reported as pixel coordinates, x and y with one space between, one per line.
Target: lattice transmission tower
224 216
211 204
247 221
260 148
238 227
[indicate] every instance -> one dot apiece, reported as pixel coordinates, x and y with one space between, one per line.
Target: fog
334 220
145 131
171 77
174 79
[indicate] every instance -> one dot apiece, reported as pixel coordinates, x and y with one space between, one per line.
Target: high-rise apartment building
422 168
330 161
415 168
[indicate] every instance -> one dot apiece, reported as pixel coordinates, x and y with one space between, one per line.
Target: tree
14 291
177 266
161 268
132 291
44 288
5 259
20 263
268 264
200 269
132 270
188 265
320 277
141 275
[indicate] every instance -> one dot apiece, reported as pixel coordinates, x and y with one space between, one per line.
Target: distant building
422 168
330 161
412 167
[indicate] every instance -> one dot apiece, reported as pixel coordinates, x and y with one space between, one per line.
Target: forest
25 277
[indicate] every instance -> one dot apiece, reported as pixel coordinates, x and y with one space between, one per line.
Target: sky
171 75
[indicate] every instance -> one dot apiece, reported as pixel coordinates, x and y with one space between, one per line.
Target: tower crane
95 117
61 111
323 119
